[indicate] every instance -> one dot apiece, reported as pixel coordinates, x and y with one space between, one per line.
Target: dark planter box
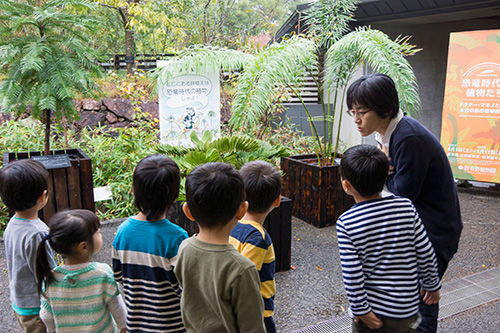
316 192
278 224
69 188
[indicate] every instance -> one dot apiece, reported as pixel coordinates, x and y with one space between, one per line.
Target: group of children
221 279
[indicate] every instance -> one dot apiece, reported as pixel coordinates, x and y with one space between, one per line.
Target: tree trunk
47 132
129 50
129 40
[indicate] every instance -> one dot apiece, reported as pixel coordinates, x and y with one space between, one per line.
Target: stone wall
110 112
114 113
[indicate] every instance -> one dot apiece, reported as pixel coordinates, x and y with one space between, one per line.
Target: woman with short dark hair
420 169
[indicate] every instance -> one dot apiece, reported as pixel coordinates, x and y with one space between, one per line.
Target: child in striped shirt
80 295
262 187
145 250
387 259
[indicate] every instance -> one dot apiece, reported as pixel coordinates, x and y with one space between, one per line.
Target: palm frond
171 151
200 59
277 66
196 158
384 55
268 151
235 143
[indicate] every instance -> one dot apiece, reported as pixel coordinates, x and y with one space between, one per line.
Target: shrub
113 158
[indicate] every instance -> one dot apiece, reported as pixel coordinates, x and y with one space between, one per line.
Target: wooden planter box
278 224
70 187
316 192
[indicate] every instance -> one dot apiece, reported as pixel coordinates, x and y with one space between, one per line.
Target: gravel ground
313 292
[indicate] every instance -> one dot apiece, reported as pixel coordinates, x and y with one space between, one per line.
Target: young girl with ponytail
80 295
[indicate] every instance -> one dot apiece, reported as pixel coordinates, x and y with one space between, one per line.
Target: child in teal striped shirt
80 295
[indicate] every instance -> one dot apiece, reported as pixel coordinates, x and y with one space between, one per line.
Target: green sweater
78 300
220 289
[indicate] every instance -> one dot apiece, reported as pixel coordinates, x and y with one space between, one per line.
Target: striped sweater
78 299
384 251
144 254
253 241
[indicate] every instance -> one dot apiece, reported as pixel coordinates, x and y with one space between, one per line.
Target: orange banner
470 132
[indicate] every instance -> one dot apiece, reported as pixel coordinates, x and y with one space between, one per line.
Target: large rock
151 109
91 105
121 107
120 124
111 117
90 119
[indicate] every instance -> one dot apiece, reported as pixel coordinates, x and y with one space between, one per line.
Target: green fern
328 20
234 150
200 59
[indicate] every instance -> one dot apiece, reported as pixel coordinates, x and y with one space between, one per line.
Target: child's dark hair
262 185
214 193
22 182
156 184
376 92
67 229
366 167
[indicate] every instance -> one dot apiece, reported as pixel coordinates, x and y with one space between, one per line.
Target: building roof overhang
408 12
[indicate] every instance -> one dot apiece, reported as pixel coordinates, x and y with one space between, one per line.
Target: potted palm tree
312 181
47 63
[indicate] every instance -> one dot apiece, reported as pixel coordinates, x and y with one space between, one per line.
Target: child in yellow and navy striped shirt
263 187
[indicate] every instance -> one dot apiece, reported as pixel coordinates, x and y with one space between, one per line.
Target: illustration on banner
189 103
470 131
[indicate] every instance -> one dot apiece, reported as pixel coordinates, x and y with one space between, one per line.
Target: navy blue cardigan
423 174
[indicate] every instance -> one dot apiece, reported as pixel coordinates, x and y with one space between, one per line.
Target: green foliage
384 55
282 133
328 20
275 67
200 58
113 158
283 65
229 23
158 26
235 150
108 38
45 57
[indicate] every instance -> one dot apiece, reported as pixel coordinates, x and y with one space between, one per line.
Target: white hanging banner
189 103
